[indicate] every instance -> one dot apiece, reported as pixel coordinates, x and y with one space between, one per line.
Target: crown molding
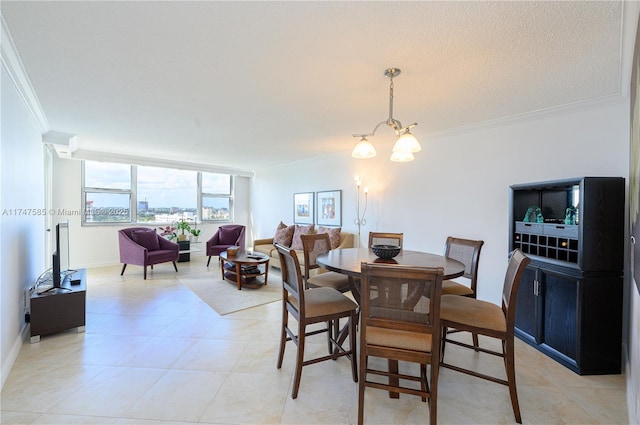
12 64
533 115
156 162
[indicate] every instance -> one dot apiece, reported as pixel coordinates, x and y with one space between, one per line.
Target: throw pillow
296 242
334 235
147 239
284 234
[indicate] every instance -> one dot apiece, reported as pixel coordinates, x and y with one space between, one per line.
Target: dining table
348 261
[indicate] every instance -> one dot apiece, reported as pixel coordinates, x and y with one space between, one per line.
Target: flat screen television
61 255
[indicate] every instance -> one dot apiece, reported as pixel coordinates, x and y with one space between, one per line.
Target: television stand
59 309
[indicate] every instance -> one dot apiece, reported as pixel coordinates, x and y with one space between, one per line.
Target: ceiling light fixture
406 143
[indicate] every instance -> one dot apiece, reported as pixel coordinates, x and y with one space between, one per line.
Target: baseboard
8 362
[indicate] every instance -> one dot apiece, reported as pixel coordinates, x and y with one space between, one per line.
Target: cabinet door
527 310
560 309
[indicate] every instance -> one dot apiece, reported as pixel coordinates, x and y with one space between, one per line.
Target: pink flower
167 231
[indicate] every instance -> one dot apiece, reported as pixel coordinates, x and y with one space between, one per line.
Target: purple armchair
142 246
226 236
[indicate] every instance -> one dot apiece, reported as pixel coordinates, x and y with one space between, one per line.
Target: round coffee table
249 269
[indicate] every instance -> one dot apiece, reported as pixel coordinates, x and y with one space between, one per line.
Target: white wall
459 184
92 246
633 362
22 235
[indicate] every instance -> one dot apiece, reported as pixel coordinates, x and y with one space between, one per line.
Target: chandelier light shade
401 156
406 143
363 149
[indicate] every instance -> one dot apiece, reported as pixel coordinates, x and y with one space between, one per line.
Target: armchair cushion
146 238
334 235
284 235
296 242
228 236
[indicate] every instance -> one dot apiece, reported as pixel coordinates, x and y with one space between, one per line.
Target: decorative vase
182 238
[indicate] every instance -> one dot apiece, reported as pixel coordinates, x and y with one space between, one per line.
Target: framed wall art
329 205
303 208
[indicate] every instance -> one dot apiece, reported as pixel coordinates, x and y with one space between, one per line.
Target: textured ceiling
254 84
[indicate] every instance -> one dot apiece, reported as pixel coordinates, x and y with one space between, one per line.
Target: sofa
266 246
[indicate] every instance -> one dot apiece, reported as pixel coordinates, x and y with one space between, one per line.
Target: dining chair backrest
401 297
380 238
467 251
314 245
292 284
518 262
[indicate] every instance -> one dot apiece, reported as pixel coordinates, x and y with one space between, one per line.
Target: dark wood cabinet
59 309
570 298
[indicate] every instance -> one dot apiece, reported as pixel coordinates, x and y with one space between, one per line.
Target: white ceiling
253 84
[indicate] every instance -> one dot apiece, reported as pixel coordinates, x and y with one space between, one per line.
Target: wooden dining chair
400 321
314 245
307 307
380 238
467 251
485 318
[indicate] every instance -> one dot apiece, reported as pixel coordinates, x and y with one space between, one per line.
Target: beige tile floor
154 353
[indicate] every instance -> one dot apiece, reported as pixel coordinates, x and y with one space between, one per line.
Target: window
217 201
166 195
107 192
119 193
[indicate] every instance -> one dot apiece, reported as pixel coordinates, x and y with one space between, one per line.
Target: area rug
223 296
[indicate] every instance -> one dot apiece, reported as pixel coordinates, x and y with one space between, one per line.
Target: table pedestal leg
239 276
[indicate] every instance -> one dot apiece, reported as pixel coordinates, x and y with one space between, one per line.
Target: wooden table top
244 257
348 261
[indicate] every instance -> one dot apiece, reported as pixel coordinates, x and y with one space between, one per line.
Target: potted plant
183 226
195 231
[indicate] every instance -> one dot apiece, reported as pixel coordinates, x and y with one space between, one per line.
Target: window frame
202 195
89 189
133 197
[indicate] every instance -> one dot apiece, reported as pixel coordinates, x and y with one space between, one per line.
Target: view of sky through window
167 188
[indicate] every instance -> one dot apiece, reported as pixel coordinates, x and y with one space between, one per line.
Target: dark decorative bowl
386 251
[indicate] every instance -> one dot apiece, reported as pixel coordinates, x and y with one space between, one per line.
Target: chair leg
352 343
208 261
509 358
175 266
362 381
433 393
124 266
283 335
299 360
443 342
474 336
424 386
394 382
333 333
145 272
